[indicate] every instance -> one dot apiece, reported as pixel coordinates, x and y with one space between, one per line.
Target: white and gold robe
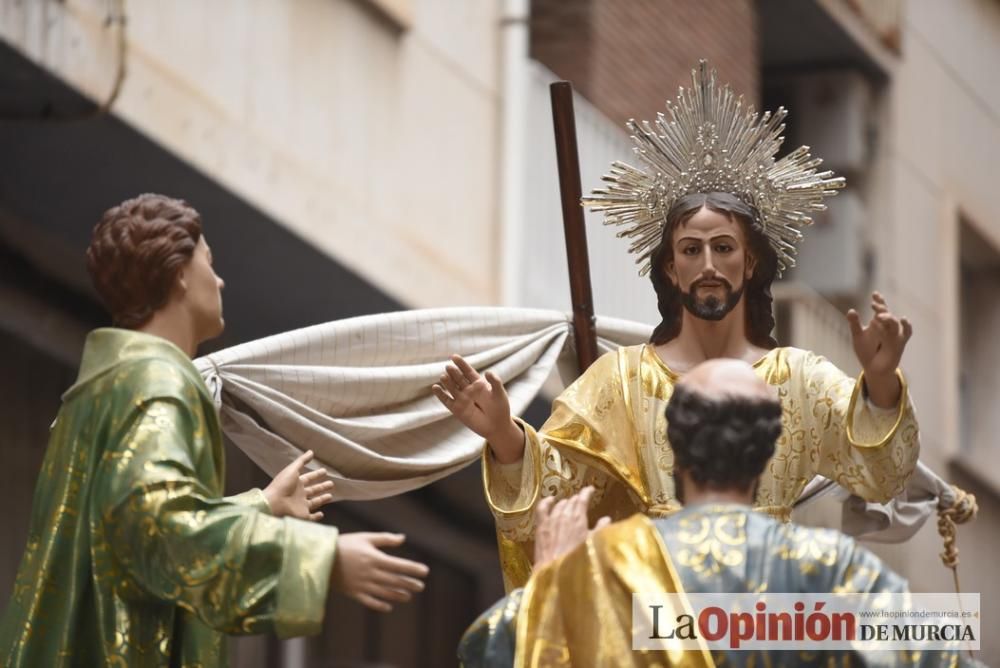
608 429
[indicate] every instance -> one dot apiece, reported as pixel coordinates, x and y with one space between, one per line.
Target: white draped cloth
358 393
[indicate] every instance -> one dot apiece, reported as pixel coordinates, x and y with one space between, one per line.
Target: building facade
358 156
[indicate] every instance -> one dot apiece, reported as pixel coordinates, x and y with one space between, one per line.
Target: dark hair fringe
723 442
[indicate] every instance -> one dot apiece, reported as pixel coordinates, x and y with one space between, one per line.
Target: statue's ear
670 272
180 283
751 266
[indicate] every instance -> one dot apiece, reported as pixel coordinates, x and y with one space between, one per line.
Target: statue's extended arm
868 450
547 462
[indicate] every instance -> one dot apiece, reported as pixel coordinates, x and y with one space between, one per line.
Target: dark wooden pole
576 236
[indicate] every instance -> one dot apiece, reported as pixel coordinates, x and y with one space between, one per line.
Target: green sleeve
235 568
252 498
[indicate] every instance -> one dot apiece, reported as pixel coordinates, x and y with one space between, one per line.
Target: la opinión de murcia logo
810 621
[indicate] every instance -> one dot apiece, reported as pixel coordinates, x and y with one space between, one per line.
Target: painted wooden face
710 263
203 292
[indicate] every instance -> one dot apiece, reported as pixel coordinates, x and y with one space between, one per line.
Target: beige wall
379 143
941 142
376 142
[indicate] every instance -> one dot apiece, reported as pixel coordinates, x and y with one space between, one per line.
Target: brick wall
629 56
561 38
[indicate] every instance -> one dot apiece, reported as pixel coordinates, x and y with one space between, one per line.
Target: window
979 354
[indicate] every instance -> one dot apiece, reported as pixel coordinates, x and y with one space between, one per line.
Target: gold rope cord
963 510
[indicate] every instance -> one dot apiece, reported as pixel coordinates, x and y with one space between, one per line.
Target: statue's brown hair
136 251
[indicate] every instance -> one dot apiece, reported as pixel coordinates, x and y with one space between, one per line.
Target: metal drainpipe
514 108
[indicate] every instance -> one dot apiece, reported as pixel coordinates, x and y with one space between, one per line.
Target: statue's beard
711 307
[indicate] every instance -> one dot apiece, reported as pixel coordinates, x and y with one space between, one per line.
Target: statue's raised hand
295 492
480 402
561 526
879 347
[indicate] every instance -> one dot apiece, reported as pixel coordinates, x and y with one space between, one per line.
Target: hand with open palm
480 402
295 493
561 526
879 346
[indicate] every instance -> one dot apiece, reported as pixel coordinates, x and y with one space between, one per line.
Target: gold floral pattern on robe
608 429
133 557
577 610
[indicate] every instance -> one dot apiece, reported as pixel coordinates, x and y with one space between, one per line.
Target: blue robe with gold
577 611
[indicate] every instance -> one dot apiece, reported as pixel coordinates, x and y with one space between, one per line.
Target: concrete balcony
806 320
797 35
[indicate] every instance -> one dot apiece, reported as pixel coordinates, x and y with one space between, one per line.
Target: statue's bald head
722 422
717 379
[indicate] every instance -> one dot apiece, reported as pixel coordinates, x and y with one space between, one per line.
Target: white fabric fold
358 393
893 522
925 492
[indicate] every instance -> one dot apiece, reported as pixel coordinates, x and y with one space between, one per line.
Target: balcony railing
806 320
542 279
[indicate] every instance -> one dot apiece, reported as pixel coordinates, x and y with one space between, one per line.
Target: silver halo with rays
713 143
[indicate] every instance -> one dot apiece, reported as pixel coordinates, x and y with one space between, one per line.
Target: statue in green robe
134 557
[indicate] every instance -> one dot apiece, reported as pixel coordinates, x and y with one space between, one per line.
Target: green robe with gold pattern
134 558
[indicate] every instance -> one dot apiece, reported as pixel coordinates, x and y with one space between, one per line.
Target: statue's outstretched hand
560 526
879 347
364 572
296 493
480 402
